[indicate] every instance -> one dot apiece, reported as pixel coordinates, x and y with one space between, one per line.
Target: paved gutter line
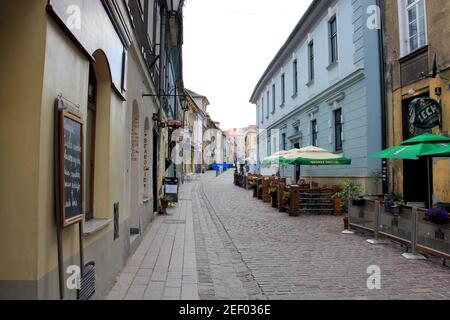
228 239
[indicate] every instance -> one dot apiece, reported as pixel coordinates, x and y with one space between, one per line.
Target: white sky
227 46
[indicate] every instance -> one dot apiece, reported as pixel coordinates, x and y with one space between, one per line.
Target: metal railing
407 227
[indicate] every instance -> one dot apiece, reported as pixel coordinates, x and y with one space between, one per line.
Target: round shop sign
425 113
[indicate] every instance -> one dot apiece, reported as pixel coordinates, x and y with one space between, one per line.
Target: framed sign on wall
71 168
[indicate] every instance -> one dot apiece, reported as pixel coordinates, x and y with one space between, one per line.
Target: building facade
417 65
251 146
323 89
107 62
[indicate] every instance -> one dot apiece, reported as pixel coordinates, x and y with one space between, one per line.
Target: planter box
363 216
398 225
266 187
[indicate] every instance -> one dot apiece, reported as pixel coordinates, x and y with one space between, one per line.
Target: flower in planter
393 201
437 215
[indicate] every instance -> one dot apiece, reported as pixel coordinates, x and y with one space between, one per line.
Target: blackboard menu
71 169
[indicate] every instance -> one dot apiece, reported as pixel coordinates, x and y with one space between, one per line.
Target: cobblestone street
221 243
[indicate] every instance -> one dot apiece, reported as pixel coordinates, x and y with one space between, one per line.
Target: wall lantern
173 6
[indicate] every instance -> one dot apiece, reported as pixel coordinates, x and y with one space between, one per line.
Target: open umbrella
313 156
412 149
275 158
443 150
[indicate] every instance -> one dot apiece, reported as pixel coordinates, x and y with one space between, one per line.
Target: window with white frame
268 104
413 25
333 39
283 138
295 77
311 61
274 99
283 89
262 110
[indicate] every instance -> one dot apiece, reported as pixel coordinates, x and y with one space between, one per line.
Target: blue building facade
323 88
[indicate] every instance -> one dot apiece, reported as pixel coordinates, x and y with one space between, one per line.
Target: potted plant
437 215
393 203
350 189
164 203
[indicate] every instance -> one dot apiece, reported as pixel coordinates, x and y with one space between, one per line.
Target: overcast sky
228 45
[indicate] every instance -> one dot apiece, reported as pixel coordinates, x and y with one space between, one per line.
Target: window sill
145 200
273 112
282 105
95 225
332 65
295 95
310 83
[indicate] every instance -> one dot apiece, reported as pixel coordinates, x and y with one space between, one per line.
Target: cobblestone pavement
221 243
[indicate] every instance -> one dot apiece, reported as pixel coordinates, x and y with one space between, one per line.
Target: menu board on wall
71 168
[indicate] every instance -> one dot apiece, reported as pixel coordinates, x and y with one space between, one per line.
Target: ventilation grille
87 282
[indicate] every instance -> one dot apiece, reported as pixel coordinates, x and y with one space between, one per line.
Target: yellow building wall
22 66
67 73
441 166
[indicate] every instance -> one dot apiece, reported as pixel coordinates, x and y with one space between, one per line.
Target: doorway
417 174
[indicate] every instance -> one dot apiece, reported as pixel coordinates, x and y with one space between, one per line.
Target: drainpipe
384 131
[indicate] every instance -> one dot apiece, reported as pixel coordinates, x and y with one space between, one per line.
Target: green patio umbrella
412 149
442 151
407 152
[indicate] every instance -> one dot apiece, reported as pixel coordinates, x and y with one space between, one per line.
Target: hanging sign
425 113
71 167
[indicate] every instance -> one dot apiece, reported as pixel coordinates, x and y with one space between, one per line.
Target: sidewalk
164 266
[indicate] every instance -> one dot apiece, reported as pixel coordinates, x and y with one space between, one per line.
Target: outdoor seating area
422 227
292 199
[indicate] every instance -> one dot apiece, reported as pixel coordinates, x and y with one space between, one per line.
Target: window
90 144
269 145
416 24
314 133
311 60
283 144
283 89
268 105
273 98
338 130
295 76
333 40
262 110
